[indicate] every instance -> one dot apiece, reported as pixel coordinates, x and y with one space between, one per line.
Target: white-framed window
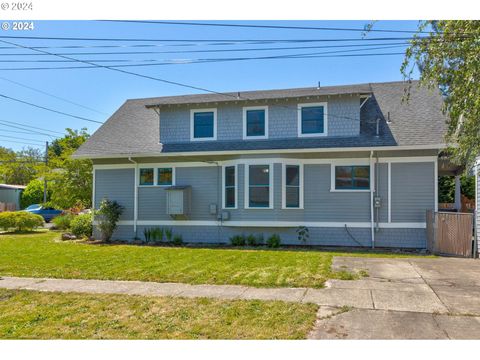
156 176
258 186
203 124
292 186
312 119
229 186
255 122
350 176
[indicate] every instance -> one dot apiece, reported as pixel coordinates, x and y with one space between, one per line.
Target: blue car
47 213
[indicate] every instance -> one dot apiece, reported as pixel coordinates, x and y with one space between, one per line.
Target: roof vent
238 95
318 86
389 121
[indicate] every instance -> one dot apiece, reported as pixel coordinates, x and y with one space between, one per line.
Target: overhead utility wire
28 126
19 138
48 109
284 27
51 95
21 142
367 46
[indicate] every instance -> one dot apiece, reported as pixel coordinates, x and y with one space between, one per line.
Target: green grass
40 315
43 255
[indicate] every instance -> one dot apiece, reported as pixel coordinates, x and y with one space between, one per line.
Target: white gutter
269 151
372 190
135 192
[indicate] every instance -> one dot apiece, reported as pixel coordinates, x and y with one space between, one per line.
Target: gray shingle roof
134 128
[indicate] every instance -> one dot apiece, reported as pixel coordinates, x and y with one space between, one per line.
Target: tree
448 58
70 179
20 167
33 194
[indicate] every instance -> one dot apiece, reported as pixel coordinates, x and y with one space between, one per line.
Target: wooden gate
450 233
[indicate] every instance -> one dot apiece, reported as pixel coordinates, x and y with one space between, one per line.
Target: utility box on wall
178 201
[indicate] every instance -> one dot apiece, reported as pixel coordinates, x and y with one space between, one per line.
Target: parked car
48 213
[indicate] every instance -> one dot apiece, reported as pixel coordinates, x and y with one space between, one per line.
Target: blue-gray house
355 164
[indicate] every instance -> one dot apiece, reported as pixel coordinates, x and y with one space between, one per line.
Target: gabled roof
134 128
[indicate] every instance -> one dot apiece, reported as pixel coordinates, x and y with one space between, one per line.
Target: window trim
223 187
192 117
245 109
351 162
140 176
247 186
325 119
300 185
155 175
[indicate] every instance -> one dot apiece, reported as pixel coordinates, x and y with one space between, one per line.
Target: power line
20 132
119 70
116 67
28 126
49 94
48 109
19 138
22 142
290 27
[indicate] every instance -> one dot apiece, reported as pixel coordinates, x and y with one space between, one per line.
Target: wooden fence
7 207
450 233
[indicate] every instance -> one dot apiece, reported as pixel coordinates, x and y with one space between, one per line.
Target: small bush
168 234
20 220
274 241
260 239
108 216
63 222
81 225
177 240
238 240
251 240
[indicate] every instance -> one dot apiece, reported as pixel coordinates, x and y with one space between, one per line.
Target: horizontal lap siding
116 185
413 191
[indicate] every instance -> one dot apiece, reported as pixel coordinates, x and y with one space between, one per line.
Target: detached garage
10 197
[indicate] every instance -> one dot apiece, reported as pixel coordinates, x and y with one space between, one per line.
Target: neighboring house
355 164
10 194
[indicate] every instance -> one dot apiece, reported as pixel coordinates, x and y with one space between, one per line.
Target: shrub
260 239
82 226
33 194
177 240
274 241
20 220
63 222
157 234
168 234
108 215
251 240
238 240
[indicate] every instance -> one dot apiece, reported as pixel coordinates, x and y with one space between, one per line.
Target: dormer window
203 124
312 119
255 122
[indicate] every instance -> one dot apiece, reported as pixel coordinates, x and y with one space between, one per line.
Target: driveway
416 298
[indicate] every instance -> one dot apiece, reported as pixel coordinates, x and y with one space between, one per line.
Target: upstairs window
259 186
352 177
230 187
312 119
203 124
146 176
255 122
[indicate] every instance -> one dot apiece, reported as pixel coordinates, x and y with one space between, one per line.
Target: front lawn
39 315
43 255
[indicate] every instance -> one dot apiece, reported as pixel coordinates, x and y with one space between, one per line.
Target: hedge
19 220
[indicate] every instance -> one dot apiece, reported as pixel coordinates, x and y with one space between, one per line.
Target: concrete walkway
418 298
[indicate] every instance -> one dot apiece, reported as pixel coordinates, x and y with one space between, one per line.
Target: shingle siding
343 120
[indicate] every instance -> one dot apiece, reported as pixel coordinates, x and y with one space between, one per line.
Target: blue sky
104 90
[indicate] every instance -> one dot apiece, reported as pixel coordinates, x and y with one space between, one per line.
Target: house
355 164
10 197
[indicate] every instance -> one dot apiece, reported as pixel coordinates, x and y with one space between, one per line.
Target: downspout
372 189
377 193
135 197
